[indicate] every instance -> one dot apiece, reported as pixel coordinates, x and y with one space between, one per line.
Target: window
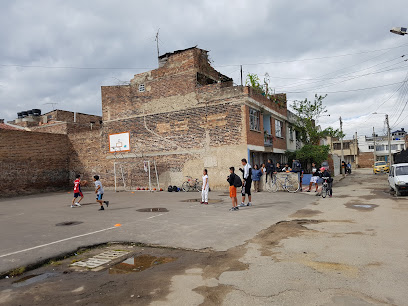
254 116
371 147
403 170
291 134
141 88
278 128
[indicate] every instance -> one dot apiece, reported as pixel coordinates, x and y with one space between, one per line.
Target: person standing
233 181
205 189
247 182
270 169
256 177
77 191
315 177
99 192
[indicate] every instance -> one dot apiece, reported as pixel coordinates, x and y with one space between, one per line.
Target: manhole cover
198 200
158 209
68 223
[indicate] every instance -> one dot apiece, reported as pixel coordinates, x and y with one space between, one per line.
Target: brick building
183 116
57 121
187 116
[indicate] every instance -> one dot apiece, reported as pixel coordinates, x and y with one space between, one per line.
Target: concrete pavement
289 249
28 231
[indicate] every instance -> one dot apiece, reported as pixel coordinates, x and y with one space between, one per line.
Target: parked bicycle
191 184
325 186
290 184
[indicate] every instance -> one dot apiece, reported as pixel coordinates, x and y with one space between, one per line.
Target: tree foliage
308 112
312 153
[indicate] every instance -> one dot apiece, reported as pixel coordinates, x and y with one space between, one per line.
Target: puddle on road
139 263
31 279
198 200
157 209
68 223
360 207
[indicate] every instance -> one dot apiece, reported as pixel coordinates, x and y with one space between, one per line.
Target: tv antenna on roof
157 44
52 104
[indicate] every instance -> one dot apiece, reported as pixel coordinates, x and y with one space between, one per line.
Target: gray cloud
107 34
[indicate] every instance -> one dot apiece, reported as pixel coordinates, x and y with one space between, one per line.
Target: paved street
351 249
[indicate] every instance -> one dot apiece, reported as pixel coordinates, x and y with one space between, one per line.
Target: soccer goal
134 176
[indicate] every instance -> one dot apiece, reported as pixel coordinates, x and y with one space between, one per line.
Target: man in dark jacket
270 168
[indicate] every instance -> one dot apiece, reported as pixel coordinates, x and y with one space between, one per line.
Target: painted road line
58 241
155 216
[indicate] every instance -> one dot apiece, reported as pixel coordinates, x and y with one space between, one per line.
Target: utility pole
375 148
341 146
389 140
157 44
241 77
355 149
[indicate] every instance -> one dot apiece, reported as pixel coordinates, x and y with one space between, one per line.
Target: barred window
278 128
254 119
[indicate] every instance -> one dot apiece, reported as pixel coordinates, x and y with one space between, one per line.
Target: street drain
68 223
31 279
139 263
158 209
198 200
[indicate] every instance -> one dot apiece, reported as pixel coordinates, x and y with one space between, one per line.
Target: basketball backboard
119 142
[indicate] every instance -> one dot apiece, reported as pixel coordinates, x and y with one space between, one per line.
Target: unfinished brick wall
33 162
366 160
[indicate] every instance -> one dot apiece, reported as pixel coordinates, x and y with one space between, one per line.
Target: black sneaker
101 208
107 203
236 208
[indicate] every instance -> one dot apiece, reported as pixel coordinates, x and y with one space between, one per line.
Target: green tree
308 112
312 153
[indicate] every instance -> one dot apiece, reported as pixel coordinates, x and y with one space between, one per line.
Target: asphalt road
288 249
29 231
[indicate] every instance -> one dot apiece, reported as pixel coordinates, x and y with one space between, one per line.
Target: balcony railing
268 141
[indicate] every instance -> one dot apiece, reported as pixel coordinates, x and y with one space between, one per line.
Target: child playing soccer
99 192
77 191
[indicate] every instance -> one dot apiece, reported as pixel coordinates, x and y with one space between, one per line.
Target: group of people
98 191
250 175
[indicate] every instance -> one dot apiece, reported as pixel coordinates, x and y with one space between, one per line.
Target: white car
398 178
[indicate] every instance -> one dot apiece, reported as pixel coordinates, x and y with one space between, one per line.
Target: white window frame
254 120
142 88
278 128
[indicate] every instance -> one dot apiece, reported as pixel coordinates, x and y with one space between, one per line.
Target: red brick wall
366 160
33 162
279 142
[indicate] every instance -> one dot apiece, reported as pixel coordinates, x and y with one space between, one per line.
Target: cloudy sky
64 51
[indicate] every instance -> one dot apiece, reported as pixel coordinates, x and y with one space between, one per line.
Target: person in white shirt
99 192
246 184
206 188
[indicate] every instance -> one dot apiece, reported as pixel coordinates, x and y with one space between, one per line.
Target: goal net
136 176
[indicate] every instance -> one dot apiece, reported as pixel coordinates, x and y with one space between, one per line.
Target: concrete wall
33 162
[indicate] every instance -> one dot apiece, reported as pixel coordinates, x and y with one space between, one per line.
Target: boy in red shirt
77 191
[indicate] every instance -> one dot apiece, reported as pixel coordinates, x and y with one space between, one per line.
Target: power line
314 58
146 68
350 90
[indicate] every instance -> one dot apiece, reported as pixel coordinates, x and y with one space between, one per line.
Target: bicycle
325 186
191 184
290 184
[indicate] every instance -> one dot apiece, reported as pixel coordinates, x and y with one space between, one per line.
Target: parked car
381 167
398 178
